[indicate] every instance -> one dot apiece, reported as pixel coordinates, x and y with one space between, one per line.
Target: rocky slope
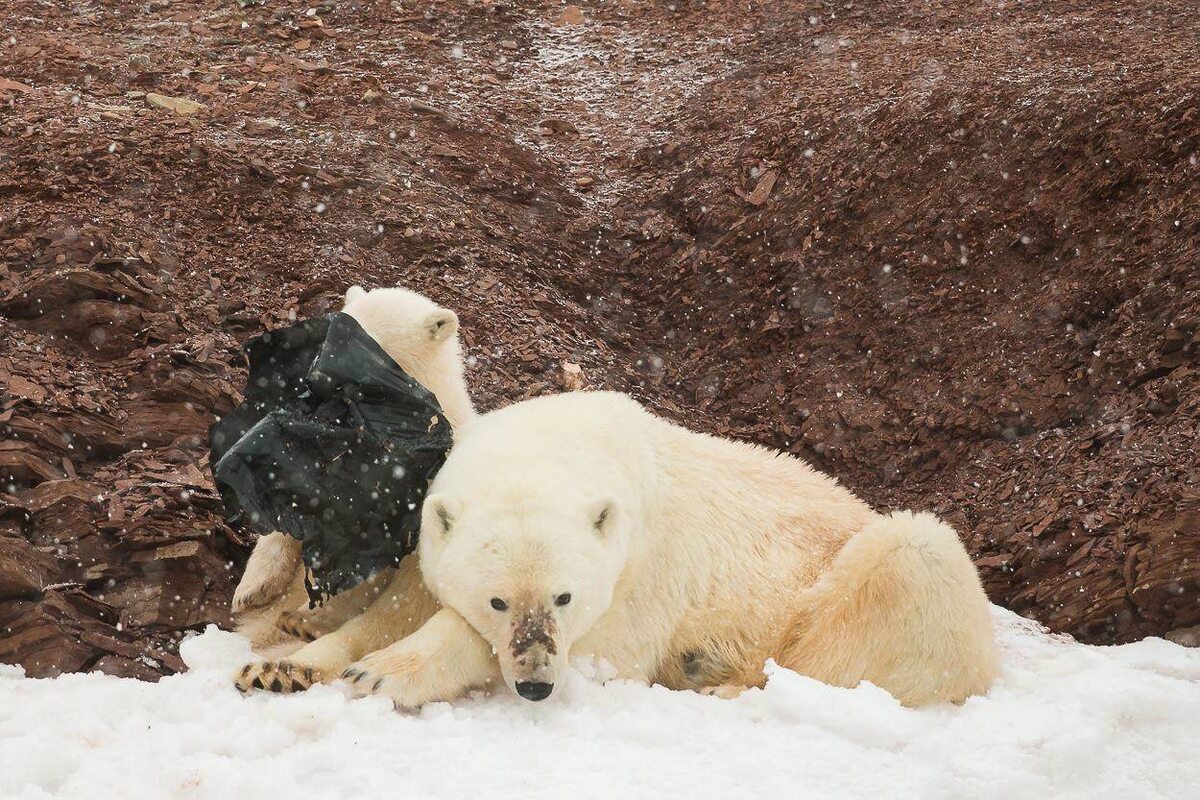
948 254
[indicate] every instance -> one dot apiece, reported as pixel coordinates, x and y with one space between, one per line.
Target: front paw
282 677
403 678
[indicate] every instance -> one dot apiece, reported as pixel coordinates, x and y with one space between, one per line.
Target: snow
1065 721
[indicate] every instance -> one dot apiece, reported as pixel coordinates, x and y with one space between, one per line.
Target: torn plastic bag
334 445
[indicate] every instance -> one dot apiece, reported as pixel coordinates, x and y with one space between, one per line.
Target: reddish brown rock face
948 256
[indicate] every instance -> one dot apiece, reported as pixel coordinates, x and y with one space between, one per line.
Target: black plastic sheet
334 445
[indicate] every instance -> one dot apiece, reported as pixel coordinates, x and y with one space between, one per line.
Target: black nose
534 691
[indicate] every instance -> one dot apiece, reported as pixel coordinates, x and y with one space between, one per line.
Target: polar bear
422 338
581 524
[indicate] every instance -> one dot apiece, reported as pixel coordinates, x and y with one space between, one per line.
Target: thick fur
903 592
684 559
270 602
402 608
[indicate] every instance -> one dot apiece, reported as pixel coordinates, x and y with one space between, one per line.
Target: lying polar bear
581 524
270 603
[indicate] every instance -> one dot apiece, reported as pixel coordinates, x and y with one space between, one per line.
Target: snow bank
1065 721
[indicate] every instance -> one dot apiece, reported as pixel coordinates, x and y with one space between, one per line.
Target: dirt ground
948 253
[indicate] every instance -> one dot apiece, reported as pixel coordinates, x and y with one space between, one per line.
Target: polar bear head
530 576
420 336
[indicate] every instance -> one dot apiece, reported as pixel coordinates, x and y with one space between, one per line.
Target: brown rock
571 15
23 570
572 377
180 105
762 189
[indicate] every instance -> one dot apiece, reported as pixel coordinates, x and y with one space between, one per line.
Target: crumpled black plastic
334 445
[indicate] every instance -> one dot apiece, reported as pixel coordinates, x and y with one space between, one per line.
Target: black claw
240 688
246 670
276 686
308 674
378 683
298 687
257 683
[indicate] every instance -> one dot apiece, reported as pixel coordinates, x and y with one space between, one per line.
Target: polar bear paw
726 691
300 625
250 595
403 677
282 677
272 567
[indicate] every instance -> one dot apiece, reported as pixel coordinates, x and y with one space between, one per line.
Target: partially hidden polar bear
581 524
270 600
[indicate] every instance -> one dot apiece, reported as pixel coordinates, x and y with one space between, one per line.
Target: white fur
710 557
422 338
690 561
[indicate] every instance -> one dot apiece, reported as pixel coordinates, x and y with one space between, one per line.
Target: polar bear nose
532 690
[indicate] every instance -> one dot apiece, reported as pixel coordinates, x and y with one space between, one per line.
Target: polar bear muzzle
533 629
532 649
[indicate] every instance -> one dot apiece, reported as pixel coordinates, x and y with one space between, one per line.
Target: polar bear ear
604 514
354 293
436 516
441 324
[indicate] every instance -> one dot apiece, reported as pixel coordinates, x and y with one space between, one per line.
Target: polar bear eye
499 604
562 599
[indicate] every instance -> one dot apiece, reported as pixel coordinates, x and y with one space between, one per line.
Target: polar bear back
732 508
574 449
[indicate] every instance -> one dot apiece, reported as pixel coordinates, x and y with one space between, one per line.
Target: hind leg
269 572
901 606
272 584
271 602
261 625
309 624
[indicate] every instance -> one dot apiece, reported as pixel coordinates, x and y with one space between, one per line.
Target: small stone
264 126
572 377
7 85
571 15
180 105
554 125
763 188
